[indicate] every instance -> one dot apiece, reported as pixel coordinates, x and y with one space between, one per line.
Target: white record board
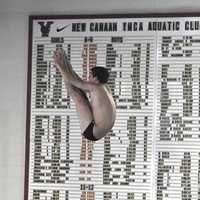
153 151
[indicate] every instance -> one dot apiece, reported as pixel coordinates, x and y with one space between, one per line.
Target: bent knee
77 94
81 100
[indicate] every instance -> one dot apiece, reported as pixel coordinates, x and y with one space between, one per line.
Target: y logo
45 29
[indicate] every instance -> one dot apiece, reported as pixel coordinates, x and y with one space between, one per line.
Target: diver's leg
83 107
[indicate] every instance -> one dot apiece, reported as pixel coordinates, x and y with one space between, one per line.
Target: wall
13 56
13 70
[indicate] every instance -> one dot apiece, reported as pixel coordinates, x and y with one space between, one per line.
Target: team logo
45 28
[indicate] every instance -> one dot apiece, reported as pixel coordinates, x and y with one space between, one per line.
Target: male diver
97 115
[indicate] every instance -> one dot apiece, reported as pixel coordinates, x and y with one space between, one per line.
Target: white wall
13 56
13 69
98 6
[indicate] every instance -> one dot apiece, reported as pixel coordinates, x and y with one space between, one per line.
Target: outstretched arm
70 77
64 66
83 85
59 61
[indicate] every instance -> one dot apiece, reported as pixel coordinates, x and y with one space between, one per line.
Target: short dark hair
101 73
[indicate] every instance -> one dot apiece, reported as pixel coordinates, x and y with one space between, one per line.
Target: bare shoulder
101 89
108 88
94 86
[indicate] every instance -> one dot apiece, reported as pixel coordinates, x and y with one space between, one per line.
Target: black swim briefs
88 133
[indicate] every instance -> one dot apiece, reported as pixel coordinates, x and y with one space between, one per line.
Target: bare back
104 111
